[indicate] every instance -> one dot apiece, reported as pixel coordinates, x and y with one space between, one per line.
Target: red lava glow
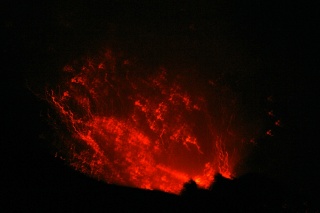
148 129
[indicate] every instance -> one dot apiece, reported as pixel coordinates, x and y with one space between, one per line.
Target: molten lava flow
152 130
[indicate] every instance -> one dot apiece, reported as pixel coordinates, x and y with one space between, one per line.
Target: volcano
105 103
152 129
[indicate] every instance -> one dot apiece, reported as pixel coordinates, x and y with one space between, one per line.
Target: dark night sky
271 47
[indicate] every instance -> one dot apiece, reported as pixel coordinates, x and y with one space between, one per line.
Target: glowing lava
152 130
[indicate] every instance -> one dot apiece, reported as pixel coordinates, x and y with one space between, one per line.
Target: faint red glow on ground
152 130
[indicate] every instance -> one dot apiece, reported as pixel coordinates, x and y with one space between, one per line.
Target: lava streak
147 129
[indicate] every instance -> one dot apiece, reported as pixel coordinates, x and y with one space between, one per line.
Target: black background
271 48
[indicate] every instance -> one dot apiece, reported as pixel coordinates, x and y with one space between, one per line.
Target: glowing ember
153 130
